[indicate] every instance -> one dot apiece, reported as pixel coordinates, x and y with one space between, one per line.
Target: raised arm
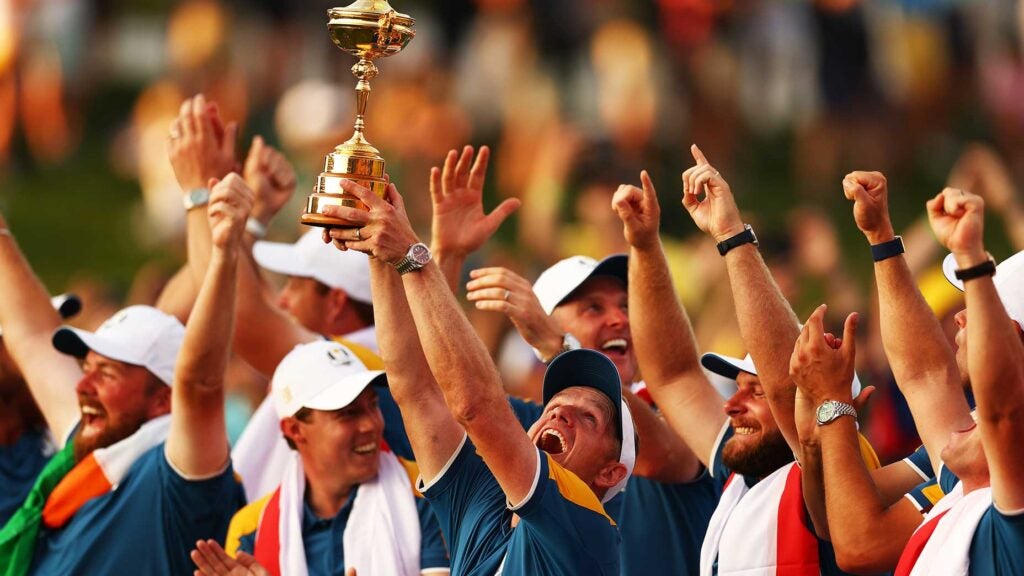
197 443
665 347
433 432
28 320
767 323
995 354
458 359
460 226
867 533
919 354
201 153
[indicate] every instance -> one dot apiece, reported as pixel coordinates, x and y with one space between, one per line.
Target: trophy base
321 221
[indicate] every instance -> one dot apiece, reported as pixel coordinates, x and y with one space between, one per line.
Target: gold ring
359 234
507 294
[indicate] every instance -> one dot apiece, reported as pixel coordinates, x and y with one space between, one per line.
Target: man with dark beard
761 524
137 484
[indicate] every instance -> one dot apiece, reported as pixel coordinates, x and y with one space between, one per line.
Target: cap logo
340 356
286 394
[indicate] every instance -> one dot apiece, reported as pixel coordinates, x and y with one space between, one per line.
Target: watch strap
745 237
838 409
986 268
255 228
888 249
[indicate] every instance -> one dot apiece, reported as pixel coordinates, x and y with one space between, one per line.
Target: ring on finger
716 173
507 294
359 234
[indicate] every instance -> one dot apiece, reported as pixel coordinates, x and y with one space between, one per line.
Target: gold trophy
366 29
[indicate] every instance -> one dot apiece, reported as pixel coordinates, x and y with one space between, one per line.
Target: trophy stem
365 70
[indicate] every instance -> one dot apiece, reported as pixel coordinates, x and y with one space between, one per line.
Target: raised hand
271 177
211 560
640 213
716 214
821 364
501 290
231 201
460 226
870 195
382 232
200 145
957 217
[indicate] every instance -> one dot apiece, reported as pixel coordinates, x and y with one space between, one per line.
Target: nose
561 413
735 405
86 385
617 317
961 318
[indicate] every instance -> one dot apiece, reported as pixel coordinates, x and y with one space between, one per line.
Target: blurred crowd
574 97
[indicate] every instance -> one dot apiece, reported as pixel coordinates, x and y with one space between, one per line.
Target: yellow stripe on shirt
575 490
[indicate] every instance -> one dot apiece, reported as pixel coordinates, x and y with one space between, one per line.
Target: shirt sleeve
920 463
433 553
199 506
925 495
998 544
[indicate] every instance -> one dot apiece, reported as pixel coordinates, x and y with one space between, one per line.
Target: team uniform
20 464
323 537
762 525
147 525
562 527
965 534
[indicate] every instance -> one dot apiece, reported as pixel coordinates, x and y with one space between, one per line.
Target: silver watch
415 259
830 410
196 197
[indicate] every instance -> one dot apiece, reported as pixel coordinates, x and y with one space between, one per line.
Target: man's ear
610 475
337 299
291 430
161 402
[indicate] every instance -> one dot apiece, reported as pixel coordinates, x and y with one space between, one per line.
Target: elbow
861 558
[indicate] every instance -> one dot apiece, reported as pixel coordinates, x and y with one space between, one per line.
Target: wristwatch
196 197
831 410
415 259
745 237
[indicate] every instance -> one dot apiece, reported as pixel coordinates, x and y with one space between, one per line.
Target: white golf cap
557 282
67 305
730 368
1009 282
309 257
138 335
321 375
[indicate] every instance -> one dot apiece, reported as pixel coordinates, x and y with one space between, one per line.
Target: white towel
947 552
383 531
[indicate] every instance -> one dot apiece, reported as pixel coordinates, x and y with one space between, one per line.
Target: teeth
558 435
90 411
615 343
743 430
365 448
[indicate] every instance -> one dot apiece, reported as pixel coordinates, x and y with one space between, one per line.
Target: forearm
920 356
664 456
769 328
813 482
432 431
996 364
1013 222
179 294
451 268
28 321
865 534
197 443
197 243
667 354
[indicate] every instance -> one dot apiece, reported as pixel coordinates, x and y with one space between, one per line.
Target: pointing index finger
698 155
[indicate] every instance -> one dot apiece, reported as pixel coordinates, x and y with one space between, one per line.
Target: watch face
826 411
420 254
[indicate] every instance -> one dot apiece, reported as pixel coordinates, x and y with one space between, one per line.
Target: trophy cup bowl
366 29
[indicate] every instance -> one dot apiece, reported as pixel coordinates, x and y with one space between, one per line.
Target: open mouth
744 430
91 415
615 346
552 442
366 449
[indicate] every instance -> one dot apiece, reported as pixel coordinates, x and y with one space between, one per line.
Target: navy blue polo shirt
20 465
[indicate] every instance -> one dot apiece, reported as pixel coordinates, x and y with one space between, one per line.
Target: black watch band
888 249
745 237
986 268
